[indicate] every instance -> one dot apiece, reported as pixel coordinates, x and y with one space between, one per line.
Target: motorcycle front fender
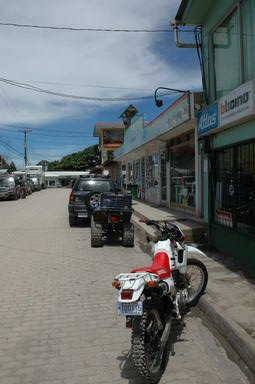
194 251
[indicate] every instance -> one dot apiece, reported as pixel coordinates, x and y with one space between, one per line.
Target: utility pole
25 131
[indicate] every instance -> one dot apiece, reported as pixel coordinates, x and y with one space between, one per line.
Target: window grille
235 188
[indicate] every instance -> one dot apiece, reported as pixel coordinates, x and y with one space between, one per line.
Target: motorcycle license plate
130 309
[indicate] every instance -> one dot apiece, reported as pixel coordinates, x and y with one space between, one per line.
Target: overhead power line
66 95
7 145
75 29
85 85
35 130
90 29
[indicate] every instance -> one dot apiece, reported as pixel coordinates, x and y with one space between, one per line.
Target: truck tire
96 234
72 221
128 235
91 199
15 195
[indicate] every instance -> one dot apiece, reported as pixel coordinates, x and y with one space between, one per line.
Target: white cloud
93 58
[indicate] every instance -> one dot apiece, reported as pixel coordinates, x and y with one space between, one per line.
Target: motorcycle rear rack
146 276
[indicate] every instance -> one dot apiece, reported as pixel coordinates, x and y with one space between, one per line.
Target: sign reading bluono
237 104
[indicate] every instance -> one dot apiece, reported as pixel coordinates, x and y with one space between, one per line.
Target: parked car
9 187
86 193
36 182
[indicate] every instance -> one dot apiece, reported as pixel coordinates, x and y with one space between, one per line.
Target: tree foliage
5 165
12 167
77 161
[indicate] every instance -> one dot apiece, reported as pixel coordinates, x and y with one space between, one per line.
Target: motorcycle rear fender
136 283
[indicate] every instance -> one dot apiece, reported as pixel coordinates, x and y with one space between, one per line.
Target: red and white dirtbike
151 297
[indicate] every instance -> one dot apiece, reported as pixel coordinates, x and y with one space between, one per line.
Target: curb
236 336
192 228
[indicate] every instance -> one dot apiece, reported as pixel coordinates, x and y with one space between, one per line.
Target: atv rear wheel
128 235
72 221
96 233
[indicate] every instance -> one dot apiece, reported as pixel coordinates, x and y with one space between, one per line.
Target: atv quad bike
111 217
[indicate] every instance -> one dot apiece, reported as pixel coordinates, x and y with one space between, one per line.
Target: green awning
193 12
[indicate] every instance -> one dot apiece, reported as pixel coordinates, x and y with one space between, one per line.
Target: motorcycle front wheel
149 359
197 279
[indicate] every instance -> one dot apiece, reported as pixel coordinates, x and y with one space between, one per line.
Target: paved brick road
57 306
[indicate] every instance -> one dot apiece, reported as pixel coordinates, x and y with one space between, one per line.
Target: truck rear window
95 186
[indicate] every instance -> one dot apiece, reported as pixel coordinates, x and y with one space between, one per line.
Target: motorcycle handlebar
167 231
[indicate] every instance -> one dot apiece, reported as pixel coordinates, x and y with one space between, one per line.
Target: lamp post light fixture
158 102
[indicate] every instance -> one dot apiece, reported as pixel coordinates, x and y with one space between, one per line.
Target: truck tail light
71 200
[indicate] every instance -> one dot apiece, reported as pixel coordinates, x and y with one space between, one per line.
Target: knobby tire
140 346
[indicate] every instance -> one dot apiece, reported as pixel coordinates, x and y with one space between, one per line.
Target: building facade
161 158
226 125
111 137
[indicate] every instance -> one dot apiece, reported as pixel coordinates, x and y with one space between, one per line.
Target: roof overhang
193 12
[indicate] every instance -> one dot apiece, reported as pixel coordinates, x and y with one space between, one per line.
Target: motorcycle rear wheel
149 360
197 278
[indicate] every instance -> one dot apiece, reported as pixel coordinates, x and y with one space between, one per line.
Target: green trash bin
133 189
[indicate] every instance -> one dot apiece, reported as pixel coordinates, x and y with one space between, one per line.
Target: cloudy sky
86 64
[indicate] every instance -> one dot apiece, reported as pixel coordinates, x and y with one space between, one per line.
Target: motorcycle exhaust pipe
162 288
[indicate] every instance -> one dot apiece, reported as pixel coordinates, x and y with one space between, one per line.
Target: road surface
57 306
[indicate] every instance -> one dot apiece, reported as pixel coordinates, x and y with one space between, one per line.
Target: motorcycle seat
160 266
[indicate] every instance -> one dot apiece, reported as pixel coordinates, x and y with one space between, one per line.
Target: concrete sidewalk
229 302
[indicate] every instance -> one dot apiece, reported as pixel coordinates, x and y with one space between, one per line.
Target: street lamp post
158 102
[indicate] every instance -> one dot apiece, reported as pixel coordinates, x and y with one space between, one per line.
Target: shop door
143 178
163 176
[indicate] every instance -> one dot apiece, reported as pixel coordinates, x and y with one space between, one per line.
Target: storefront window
130 173
183 186
154 170
113 137
226 49
248 41
235 188
136 167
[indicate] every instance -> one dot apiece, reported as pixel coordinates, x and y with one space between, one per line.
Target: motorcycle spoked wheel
197 279
149 360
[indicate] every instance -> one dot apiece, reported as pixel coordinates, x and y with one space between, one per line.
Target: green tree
3 163
77 161
12 167
44 163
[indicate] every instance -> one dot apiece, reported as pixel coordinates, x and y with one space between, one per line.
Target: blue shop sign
207 119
